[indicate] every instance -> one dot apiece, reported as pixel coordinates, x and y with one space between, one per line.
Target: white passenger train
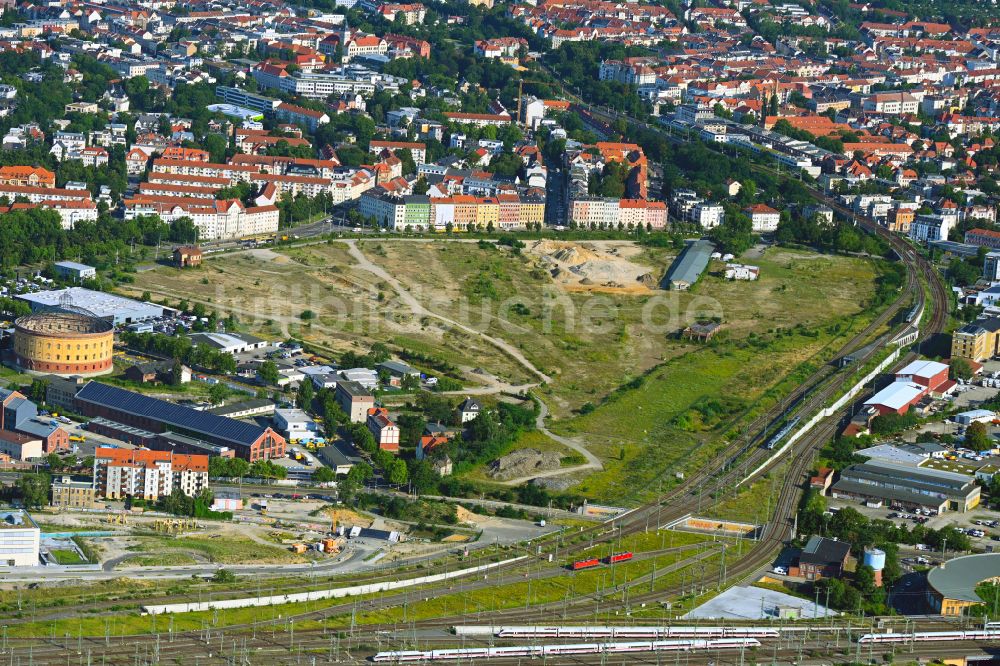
406 656
635 632
990 633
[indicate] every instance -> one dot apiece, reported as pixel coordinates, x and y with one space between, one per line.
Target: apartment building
27 176
708 215
983 238
930 227
630 73
382 428
418 151
507 211
355 400
120 473
891 103
978 341
478 119
70 493
309 118
215 219
764 218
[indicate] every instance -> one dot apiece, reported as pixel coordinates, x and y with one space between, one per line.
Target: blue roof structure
688 267
176 416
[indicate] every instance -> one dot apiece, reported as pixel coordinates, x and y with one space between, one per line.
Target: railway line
276 641
775 533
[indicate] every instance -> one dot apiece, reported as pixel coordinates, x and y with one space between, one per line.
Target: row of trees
101 242
181 348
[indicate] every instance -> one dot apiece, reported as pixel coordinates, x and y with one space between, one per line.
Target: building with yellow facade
978 341
64 343
951 587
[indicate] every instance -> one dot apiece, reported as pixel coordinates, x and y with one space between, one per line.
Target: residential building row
462 212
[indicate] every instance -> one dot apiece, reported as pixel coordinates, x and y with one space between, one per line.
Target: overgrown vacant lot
777 331
269 291
648 403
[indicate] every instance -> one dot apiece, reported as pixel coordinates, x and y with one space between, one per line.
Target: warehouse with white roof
112 308
896 398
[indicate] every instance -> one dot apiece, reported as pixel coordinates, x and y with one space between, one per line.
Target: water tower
875 558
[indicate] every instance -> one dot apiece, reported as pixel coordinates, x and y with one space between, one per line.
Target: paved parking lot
963 521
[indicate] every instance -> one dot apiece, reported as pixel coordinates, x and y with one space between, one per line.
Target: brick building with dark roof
134 410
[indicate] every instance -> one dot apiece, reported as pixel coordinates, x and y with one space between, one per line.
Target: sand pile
585 267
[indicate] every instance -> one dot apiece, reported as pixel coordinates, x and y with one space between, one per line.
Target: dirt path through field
365 264
593 462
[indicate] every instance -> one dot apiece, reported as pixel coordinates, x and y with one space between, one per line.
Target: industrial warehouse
115 309
907 486
951 587
146 421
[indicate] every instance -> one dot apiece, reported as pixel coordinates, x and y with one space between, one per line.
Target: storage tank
875 558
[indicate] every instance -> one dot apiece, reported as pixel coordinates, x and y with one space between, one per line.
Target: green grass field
749 503
67 556
222 550
649 405
172 559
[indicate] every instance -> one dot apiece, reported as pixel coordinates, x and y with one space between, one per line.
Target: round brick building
63 343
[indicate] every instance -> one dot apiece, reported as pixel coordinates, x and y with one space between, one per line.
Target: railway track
245 640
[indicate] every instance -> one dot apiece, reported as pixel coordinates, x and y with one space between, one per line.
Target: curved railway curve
814 392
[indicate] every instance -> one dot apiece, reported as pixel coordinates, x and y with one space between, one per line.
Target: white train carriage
933 636
405 656
634 632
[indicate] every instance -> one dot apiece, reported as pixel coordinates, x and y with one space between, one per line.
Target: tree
305 395
238 467
183 230
176 372
960 369
397 472
265 469
218 392
268 372
54 462
977 437
360 473
34 488
38 390
323 475
224 576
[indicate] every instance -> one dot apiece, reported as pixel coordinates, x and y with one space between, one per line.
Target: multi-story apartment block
120 473
983 238
418 151
632 73
708 215
69 493
978 341
215 219
355 400
27 176
932 227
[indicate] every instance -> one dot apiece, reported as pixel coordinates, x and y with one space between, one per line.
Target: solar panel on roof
171 414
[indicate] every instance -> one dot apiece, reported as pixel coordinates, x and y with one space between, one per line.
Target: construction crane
520 93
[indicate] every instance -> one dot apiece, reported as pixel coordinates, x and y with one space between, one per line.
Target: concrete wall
322 594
